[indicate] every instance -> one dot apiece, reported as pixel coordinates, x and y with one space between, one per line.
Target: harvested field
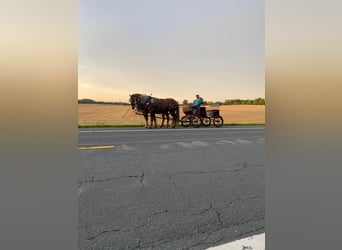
105 114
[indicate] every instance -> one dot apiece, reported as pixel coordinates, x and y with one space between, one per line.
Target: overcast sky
171 48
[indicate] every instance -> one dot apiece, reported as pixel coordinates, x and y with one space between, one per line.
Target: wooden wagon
201 117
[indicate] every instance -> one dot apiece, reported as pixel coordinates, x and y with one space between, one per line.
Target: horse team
148 105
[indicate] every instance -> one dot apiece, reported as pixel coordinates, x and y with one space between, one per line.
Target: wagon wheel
196 121
186 121
206 121
218 121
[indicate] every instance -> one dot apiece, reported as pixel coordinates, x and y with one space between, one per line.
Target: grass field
108 115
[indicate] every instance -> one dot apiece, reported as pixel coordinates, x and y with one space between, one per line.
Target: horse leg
155 121
151 120
173 119
163 118
175 116
146 119
167 120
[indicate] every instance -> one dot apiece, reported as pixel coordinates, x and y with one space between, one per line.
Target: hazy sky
171 48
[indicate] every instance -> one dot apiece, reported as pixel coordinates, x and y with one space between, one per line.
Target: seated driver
196 105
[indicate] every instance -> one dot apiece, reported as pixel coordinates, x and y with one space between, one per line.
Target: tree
227 102
87 101
259 101
185 102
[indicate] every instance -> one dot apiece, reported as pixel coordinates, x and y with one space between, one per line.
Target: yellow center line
95 147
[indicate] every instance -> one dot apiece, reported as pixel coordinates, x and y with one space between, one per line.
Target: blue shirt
197 101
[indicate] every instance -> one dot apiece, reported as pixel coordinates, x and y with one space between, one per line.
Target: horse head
136 102
133 100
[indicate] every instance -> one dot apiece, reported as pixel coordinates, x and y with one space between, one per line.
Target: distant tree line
256 101
90 101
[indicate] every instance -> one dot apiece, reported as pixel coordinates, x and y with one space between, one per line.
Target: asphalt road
183 188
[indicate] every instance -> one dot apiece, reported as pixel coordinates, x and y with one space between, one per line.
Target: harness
147 101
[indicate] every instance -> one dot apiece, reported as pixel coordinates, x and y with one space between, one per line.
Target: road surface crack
211 207
241 166
199 172
205 241
103 232
142 179
93 180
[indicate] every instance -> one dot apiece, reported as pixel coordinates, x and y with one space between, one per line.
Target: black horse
150 105
136 104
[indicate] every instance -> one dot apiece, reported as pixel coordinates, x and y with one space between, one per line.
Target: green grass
110 126
142 125
243 124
